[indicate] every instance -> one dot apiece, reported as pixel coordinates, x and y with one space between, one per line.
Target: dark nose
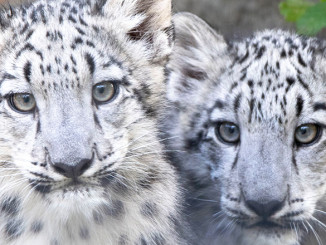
265 210
72 171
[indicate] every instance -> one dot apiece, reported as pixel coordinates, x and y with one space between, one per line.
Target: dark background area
236 18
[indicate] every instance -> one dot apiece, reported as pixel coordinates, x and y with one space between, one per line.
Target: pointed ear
147 21
197 59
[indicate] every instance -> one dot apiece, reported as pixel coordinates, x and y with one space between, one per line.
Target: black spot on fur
304 85
10 206
261 51
97 122
149 179
14 229
115 209
319 106
90 44
294 162
96 29
299 105
123 240
44 189
90 62
158 239
25 28
74 10
301 61
48 69
244 58
36 227
236 103
219 104
84 233
192 143
8 76
235 162
82 21
42 70
73 60
38 127
98 217
107 180
77 41
149 209
72 19
29 34
290 80
54 242
27 71
252 103
195 73
143 240
80 31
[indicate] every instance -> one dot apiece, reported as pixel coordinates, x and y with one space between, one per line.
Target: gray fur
74 170
268 85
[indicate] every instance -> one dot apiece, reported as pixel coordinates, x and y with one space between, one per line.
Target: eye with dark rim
307 134
228 132
22 103
105 92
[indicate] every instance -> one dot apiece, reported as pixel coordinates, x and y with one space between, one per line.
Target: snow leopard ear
197 59
147 21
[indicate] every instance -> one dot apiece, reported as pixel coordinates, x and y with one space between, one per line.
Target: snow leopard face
250 125
81 86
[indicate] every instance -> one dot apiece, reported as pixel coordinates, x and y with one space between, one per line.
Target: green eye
307 133
23 103
228 132
104 91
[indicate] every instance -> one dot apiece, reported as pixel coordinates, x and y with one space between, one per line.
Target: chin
269 236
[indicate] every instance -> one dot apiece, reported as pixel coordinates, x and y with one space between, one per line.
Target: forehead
57 44
273 75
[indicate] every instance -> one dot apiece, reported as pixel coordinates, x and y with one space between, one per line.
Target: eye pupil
231 129
26 98
303 130
100 89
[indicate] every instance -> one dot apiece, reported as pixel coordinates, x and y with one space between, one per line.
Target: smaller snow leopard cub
81 87
248 121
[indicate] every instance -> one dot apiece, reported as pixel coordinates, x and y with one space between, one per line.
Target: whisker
315 233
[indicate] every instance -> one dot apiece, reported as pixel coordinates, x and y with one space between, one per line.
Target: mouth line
266 224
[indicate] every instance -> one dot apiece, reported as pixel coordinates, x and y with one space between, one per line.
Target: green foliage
310 18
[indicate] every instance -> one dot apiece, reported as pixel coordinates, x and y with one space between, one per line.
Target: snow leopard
81 91
247 124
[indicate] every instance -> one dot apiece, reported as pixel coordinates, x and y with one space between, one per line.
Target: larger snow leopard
82 83
248 120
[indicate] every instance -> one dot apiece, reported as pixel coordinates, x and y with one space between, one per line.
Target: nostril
83 165
72 171
265 210
59 170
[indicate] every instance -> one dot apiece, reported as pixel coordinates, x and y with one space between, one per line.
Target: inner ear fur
198 56
148 21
